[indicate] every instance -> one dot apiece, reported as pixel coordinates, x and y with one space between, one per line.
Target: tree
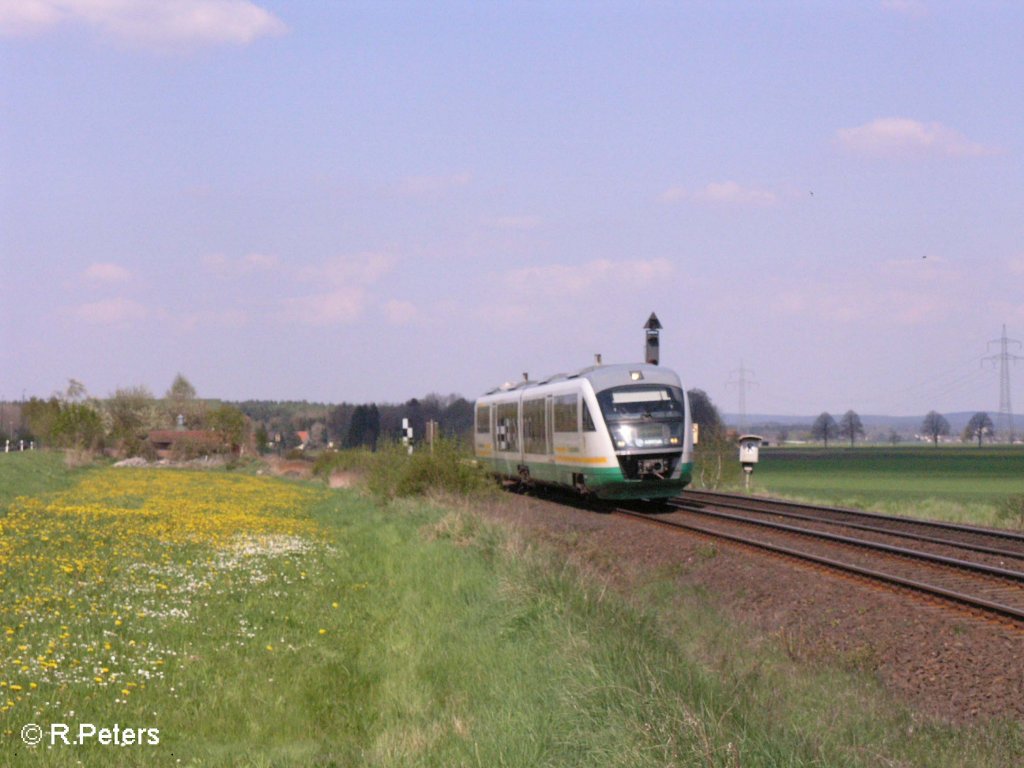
338 420
457 418
180 400
131 412
978 427
75 392
78 425
704 413
41 415
935 426
850 426
824 427
364 428
262 438
230 425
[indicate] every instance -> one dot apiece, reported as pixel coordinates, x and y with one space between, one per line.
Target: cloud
722 193
337 307
156 23
400 312
519 223
432 186
221 318
901 136
224 266
914 8
361 268
111 311
347 280
581 279
899 292
107 272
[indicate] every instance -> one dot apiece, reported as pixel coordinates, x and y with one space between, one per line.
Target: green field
959 483
253 621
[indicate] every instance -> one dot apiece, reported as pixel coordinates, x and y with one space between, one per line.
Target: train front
648 421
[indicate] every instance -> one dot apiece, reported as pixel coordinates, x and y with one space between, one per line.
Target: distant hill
907 424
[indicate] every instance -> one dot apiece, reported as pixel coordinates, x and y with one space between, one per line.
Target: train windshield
644 416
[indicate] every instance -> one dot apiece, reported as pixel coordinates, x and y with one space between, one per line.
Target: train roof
603 377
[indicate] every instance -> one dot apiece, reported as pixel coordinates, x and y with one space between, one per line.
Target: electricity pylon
1004 421
741 384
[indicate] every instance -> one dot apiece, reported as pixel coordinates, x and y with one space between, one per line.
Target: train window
534 428
588 422
508 427
564 407
483 419
637 402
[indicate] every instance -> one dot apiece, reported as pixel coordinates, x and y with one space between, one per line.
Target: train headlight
674 440
624 436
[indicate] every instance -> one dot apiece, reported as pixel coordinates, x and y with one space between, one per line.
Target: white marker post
407 435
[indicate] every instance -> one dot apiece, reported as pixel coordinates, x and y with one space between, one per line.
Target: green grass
27 473
416 634
962 484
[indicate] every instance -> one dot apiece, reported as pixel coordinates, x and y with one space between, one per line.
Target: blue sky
373 201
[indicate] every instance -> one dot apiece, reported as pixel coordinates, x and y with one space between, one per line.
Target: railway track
976 568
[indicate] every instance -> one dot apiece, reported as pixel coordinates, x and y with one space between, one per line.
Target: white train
611 431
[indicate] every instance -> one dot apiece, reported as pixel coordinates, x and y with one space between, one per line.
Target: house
170 443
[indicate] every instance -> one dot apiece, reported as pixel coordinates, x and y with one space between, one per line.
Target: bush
448 468
716 460
354 459
1011 510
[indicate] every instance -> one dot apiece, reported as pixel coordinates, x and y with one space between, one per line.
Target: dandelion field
126 595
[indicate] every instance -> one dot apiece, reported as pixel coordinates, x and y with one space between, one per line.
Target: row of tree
935 425
123 421
979 427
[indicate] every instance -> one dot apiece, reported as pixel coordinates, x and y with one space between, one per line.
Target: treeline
933 427
352 425
123 422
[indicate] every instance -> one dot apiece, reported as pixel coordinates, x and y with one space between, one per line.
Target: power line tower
741 383
1005 418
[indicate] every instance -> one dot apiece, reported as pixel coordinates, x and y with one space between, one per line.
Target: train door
549 427
565 438
506 429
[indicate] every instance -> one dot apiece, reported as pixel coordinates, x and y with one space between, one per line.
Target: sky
372 201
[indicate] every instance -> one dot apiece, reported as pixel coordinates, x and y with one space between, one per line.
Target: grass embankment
961 484
25 473
260 622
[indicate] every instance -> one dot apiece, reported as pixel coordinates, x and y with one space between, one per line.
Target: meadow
230 619
955 483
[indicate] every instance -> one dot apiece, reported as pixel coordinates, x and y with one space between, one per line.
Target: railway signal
749 445
651 350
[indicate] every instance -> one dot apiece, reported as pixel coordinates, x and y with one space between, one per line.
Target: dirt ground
304 470
946 663
289 467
